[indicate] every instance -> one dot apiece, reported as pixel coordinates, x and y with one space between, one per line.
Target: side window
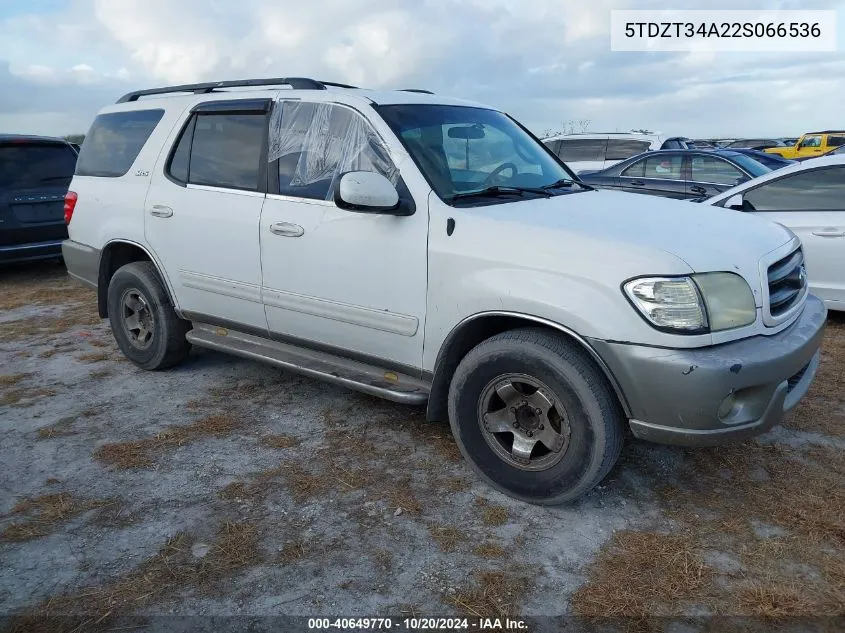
583 149
637 170
664 167
715 170
220 150
114 142
316 143
811 141
554 146
226 150
836 140
621 149
817 190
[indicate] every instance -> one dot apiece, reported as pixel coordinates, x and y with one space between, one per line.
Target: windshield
751 165
462 150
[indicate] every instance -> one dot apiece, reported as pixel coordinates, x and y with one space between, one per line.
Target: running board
348 373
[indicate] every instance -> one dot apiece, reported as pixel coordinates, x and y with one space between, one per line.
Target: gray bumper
83 262
674 395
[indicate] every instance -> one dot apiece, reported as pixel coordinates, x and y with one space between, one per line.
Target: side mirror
735 202
366 192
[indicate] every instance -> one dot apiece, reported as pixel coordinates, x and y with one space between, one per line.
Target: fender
168 286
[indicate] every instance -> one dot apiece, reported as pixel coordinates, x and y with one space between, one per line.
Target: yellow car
811 144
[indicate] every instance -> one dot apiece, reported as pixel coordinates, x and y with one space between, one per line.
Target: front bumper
674 395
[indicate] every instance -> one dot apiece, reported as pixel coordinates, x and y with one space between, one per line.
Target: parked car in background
790 141
772 161
756 143
836 151
35 172
678 174
701 143
811 145
596 151
678 142
808 198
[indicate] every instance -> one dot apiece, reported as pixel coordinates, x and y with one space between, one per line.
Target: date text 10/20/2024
418 624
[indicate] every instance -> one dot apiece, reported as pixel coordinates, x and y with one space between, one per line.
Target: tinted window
114 142
34 165
554 146
671 145
620 149
226 150
836 140
318 142
180 160
715 170
637 170
665 167
818 190
582 149
811 141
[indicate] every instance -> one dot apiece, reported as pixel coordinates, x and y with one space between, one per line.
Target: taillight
70 205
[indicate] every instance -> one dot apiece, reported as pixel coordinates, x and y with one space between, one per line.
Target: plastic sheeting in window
317 142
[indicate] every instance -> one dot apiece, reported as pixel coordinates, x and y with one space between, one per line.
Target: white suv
429 250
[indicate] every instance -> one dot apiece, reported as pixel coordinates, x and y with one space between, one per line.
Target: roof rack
297 83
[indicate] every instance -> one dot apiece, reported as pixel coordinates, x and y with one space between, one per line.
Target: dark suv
35 173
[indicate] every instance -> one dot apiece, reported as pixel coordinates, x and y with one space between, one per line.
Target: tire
584 423
159 340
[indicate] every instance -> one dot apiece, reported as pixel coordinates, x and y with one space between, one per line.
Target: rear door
203 209
711 175
34 177
812 204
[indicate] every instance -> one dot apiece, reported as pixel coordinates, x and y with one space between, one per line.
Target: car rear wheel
146 327
535 417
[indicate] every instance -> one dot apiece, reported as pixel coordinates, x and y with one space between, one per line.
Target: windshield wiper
566 182
494 192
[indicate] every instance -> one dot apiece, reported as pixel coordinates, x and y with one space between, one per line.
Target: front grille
787 281
792 382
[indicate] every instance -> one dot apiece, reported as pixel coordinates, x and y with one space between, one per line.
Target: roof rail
420 90
297 83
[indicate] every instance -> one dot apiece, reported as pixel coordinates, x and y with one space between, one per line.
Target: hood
705 238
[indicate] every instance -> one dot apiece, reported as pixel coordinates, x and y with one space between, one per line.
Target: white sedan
809 198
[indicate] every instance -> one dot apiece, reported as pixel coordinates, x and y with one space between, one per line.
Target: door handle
829 233
161 211
287 229
698 189
637 183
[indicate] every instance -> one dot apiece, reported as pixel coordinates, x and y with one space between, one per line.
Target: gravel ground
225 487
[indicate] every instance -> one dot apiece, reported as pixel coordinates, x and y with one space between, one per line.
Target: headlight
697 304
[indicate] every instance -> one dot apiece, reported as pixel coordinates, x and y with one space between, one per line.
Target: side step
335 369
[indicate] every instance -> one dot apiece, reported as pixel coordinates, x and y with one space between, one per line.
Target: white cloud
546 61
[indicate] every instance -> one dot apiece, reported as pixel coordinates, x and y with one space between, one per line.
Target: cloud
545 61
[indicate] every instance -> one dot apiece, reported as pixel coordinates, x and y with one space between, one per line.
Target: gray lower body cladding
677 396
83 262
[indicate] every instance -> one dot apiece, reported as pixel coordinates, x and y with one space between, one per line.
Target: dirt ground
225 487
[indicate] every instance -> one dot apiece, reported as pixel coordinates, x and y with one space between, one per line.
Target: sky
546 62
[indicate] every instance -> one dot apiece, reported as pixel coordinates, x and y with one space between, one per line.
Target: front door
202 212
658 175
711 175
812 205
337 279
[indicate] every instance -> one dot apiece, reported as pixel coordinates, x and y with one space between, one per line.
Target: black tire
595 418
166 345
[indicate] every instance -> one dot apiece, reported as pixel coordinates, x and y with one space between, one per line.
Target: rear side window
220 150
582 149
715 170
621 149
29 165
836 140
114 142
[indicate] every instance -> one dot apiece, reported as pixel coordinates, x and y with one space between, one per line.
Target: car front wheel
535 417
